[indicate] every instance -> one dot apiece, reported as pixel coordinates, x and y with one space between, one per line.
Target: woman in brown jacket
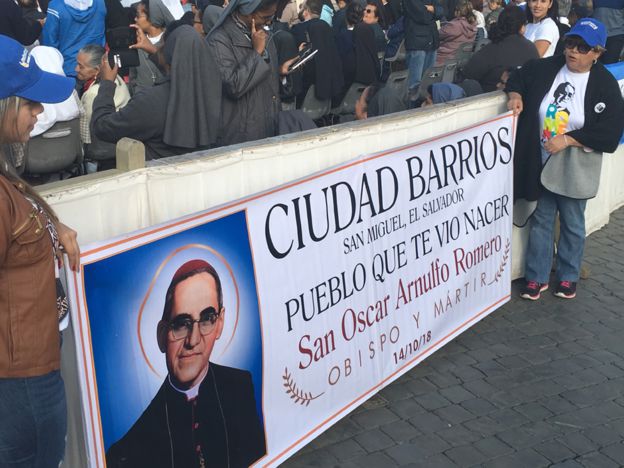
32 397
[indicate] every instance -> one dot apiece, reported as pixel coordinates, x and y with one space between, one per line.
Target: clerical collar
192 392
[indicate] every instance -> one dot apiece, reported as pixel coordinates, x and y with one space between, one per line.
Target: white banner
330 288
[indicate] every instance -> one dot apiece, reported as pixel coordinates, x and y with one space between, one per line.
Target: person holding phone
247 60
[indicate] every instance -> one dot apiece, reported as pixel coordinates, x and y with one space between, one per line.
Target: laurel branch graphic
503 264
296 394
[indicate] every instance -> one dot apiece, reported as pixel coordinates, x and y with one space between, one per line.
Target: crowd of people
234 79
204 74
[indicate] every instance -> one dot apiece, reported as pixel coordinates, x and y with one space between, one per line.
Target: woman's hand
142 41
514 103
258 38
284 68
69 244
106 72
560 142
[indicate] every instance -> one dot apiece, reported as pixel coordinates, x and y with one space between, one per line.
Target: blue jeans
33 421
571 243
417 62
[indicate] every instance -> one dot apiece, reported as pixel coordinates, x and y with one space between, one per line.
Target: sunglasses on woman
581 46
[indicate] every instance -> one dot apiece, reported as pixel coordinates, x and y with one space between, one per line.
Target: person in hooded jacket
72 24
458 31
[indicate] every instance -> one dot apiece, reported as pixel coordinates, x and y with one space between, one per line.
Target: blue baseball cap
21 76
592 31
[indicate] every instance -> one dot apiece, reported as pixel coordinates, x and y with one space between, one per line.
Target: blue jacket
71 25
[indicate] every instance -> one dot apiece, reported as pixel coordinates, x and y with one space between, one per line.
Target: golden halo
155 278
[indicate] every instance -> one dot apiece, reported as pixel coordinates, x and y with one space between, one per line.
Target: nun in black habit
324 71
179 114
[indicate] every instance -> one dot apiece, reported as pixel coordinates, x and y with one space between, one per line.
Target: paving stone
610 410
615 452
508 417
374 440
318 458
467 373
432 401
567 464
610 371
438 460
407 408
443 380
513 362
557 404
428 422
418 449
458 435
465 456
580 419
533 411
555 451
521 459
480 388
484 425
454 414
374 460
521 437
602 435
340 431
597 460
478 406
399 390
456 394
400 431
420 386
578 443
346 449
493 447
374 417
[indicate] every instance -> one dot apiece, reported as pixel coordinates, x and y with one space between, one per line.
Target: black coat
143 118
601 132
250 101
13 24
421 31
228 429
487 65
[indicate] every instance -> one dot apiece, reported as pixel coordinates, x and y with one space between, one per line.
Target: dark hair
464 9
207 268
315 7
477 5
354 13
552 13
510 21
380 12
579 10
145 4
265 4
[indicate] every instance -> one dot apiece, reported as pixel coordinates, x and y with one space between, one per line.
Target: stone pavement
534 384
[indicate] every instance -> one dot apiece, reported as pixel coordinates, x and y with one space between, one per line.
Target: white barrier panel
331 287
178 186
